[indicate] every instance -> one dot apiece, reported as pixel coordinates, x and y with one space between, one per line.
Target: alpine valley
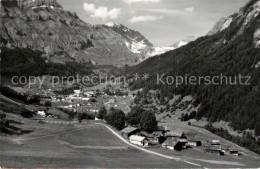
230 48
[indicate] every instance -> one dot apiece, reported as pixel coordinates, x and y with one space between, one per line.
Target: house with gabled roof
128 131
173 144
139 140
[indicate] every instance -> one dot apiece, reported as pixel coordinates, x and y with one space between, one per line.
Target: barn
192 140
173 144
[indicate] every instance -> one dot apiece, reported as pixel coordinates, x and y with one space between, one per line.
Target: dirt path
148 151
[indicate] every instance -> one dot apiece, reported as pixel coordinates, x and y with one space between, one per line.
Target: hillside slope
230 51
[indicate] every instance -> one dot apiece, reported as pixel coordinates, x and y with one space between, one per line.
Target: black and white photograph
129 84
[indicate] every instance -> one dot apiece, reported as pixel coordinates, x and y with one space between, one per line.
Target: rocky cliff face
222 24
43 25
242 20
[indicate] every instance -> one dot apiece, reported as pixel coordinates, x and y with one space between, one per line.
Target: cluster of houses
169 139
79 101
214 146
82 107
78 95
174 140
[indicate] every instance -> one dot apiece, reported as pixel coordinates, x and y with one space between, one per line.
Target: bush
102 113
47 103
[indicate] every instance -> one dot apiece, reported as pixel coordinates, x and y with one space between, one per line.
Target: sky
162 22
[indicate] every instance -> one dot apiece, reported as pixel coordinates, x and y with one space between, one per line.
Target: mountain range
45 26
62 36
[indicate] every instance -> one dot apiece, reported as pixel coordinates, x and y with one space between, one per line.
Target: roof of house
214 142
213 147
137 138
191 137
129 130
161 128
170 142
175 133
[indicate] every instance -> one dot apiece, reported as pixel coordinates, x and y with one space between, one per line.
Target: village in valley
86 104
112 117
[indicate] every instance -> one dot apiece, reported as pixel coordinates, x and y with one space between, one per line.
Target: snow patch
110 24
136 47
159 50
126 30
182 43
43 6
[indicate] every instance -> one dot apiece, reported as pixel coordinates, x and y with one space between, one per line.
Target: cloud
190 9
145 18
146 1
101 11
164 11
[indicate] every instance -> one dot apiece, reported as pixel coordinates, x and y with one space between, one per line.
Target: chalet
139 140
173 144
216 149
192 140
127 132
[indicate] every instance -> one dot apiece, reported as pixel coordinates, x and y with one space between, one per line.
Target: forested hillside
230 52
26 62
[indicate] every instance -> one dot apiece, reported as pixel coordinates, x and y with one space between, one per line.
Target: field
53 143
74 146
90 144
